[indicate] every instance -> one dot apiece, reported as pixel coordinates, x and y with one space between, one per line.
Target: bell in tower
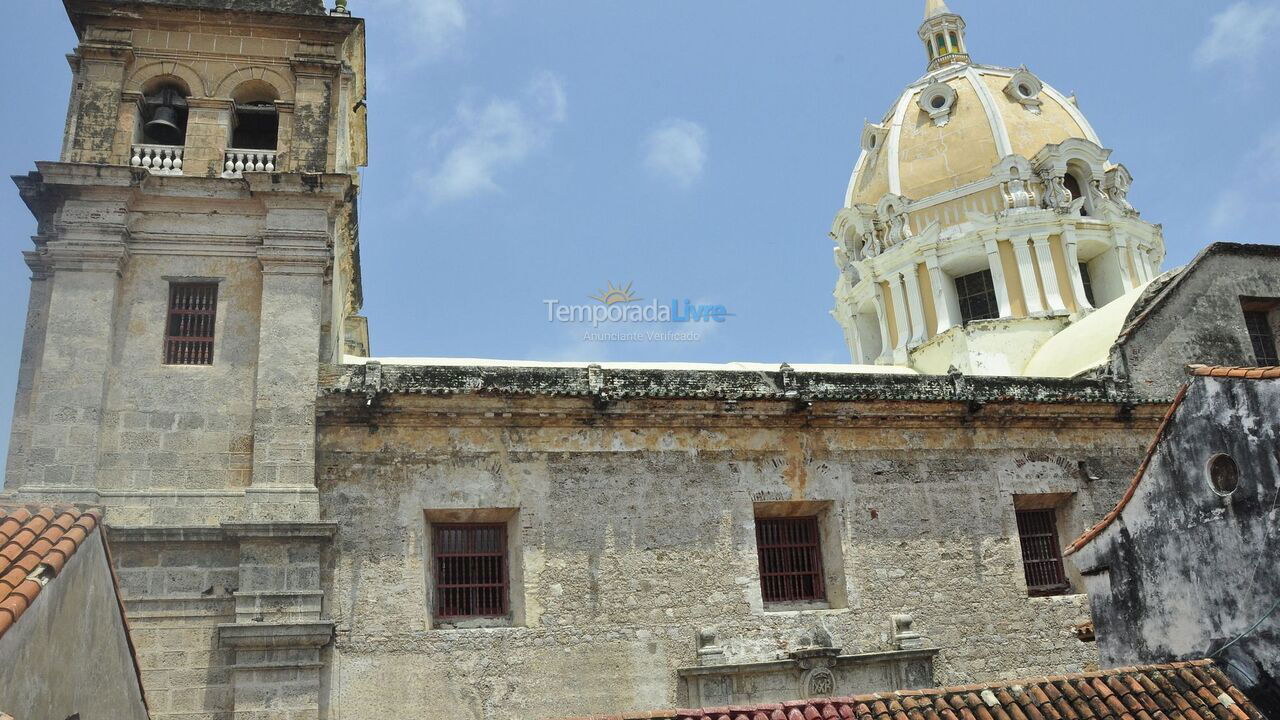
166 114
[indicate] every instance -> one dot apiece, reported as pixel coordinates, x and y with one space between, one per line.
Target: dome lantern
943 35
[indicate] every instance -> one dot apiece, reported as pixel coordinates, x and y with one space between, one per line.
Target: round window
871 143
938 102
1025 89
1224 474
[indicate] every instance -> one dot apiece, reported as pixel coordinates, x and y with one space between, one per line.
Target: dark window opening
189 329
257 126
1088 284
977 295
1073 186
164 117
790 560
1262 336
470 570
1041 554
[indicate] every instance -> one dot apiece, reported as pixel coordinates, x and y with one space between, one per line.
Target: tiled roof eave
1197 685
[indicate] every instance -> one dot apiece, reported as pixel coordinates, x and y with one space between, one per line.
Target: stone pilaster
944 299
900 319
1122 260
102 59
1048 274
1072 252
885 355
18 468
278 633
293 269
996 267
66 400
1027 274
919 328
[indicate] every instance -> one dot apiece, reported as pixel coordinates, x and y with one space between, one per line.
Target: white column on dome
945 306
916 305
1140 263
1027 273
900 319
998 279
1122 259
1073 268
1048 274
886 349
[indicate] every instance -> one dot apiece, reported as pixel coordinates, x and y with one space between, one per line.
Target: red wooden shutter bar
471 570
790 559
189 331
1041 555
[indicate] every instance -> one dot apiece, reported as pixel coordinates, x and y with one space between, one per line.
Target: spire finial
943 35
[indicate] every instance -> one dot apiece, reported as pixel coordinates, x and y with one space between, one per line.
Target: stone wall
635 530
1196 318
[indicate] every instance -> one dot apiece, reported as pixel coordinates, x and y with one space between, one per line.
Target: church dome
983 217
951 127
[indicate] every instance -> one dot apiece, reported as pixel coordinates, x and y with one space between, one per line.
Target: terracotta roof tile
1173 691
1241 373
35 544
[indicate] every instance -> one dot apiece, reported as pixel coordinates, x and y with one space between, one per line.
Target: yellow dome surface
919 158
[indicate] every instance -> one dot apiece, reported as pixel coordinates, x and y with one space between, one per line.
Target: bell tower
195 263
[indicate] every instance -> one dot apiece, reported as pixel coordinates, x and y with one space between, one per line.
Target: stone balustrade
239 162
158 159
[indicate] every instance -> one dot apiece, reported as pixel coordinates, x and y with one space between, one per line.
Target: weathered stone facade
1187 568
632 507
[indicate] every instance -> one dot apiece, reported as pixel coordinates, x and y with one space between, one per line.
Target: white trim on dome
895 135
1074 112
998 129
853 178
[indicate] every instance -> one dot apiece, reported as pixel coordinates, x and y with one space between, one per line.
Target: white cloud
1250 200
1240 34
676 150
484 139
432 28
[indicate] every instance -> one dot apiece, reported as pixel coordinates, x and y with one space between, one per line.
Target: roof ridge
1259 372
1093 532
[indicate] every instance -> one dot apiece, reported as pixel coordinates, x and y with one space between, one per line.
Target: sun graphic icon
616 294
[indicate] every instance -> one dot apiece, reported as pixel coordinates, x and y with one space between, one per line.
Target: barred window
790 559
977 295
189 329
1041 554
1262 336
471 579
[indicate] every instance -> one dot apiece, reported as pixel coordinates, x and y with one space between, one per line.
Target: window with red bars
1041 552
790 559
188 338
470 570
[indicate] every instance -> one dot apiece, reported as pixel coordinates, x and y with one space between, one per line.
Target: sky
525 152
